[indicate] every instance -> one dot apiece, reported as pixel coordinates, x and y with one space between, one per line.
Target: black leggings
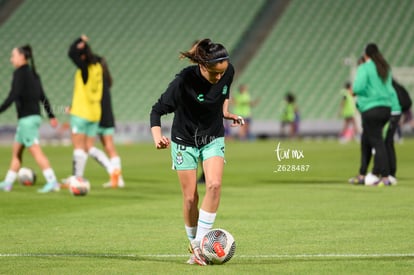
389 143
373 122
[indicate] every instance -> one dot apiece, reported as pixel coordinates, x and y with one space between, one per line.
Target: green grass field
297 222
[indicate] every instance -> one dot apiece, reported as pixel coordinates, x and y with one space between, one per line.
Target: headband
215 60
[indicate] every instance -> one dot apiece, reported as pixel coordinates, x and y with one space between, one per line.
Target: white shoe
121 183
52 186
371 179
6 186
198 256
392 180
191 260
109 185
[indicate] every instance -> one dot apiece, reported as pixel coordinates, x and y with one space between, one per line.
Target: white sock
116 162
10 177
101 158
191 232
205 223
49 175
79 162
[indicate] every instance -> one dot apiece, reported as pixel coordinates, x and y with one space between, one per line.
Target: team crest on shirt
224 91
200 97
179 158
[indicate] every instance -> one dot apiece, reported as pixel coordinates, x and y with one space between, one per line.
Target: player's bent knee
213 185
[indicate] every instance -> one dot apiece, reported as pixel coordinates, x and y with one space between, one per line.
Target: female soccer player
27 91
373 88
86 109
243 104
347 112
290 116
199 97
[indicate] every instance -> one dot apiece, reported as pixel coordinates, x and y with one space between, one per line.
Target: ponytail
383 68
206 53
27 51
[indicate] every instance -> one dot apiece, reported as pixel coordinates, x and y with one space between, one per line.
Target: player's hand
162 143
238 120
67 109
53 122
84 38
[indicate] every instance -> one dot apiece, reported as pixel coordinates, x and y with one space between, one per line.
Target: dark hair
27 51
381 64
206 53
347 85
105 68
290 98
90 57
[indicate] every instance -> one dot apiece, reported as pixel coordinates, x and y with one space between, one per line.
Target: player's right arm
160 141
74 54
360 81
159 109
16 88
167 103
237 120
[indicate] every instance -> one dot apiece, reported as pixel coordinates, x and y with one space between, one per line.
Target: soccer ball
26 176
218 246
79 186
371 179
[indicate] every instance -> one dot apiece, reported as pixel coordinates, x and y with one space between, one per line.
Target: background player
27 91
86 106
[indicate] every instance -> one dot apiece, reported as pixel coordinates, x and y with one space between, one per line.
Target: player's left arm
45 101
75 52
237 120
48 107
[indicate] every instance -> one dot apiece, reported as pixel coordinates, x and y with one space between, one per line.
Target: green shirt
371 91
288 114
348 109
242 104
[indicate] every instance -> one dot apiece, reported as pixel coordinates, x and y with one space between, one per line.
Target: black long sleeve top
197 106
26 92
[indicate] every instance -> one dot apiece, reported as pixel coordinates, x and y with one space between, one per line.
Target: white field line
274 256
